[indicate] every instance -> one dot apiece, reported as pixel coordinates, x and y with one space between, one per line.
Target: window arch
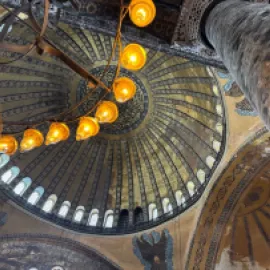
138 215
210 161
36 195
49 204
167 206
180 198
93 217
108 219
191 188
123 219
4 159
216 145
78 215
153 213
201 175
219 109
10 175
215 90
22 186
219 128
63 211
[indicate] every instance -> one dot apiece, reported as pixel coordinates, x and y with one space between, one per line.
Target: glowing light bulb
133 57
107 112
124 89
57 132
32 138
8 144
142 12
88 127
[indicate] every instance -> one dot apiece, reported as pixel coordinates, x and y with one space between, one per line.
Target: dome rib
164 147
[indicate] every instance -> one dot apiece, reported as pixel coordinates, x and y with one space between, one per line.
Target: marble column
239 31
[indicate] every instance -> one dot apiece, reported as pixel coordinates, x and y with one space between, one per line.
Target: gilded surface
173 127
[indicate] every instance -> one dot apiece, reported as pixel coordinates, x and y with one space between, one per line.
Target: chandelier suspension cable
132 57
24 49
45 23
117 42
33 46
43 44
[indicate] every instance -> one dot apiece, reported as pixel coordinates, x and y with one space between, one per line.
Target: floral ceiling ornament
132 57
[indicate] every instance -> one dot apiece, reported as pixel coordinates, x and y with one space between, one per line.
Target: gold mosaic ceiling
165 145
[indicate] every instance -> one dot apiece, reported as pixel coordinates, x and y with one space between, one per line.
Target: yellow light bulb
88 127
57 132
133 57
124 89
8 145
107 112
142 12
32 138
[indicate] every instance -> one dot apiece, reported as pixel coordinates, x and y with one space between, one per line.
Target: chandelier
132 57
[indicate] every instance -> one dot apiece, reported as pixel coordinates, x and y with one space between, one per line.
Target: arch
108 219
22 186
244 196
10 175
167 206
123 218
210 161
78 215
219 109
219 128
215 90
36 195
153 213
201 175
191 188
138 215
216 145
93 217
50 203
4 159
63 211
180 198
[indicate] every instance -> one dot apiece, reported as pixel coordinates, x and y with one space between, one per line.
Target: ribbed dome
158 156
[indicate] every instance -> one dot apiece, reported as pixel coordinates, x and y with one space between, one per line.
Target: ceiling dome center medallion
131 113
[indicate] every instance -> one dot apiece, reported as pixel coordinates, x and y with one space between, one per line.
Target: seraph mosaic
231 89
154 250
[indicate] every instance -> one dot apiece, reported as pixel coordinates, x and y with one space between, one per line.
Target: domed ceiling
161 152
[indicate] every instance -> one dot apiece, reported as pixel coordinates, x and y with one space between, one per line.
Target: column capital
187 30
